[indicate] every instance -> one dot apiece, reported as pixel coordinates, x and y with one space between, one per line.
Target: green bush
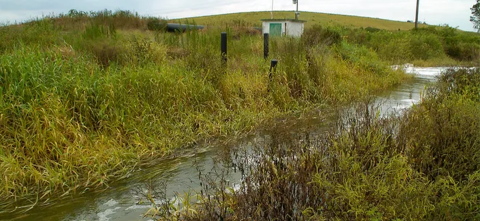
363 56
425 46
156 24
370 29
448 144
464 51
432 43
318 35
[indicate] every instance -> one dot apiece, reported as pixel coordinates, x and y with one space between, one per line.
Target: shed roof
291 20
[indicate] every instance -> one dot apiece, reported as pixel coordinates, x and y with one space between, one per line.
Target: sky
455 13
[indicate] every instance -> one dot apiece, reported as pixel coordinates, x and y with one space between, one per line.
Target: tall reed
422 165
84 105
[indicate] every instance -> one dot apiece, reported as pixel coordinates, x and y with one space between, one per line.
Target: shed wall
289 28
295 29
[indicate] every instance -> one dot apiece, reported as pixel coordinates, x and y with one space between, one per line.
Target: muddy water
125 199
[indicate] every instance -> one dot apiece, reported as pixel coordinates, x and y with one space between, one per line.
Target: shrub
318 35
420 166
370 29
363 56
425 46
449 143
156 24
464 51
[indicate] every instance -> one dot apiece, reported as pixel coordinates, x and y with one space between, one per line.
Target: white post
271 14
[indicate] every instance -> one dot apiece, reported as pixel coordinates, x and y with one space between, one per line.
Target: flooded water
408 94
125 199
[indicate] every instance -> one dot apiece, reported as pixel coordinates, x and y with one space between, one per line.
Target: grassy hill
312 18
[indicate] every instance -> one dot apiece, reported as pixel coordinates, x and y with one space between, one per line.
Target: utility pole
296 13
416 17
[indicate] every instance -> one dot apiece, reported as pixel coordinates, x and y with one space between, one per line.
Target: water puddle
125 199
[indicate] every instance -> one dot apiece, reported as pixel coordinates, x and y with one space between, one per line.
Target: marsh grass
422 165
87 98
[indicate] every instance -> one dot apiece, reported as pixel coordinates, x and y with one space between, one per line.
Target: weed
366 167
85 100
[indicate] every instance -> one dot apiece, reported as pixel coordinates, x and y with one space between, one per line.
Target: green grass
312 18
396 42
87 98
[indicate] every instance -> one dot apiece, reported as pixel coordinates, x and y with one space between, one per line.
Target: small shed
283 27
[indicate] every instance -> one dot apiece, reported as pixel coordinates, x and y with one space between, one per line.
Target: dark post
265 46
416 16
224 48
273 68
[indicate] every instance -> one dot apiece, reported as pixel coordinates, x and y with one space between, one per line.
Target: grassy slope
312 18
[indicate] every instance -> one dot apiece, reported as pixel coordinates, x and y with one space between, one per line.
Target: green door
275 29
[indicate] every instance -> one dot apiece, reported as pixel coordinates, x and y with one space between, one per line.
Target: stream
124 200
